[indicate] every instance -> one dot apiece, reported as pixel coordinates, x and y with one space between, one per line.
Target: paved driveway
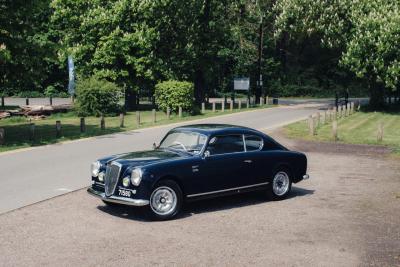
347 214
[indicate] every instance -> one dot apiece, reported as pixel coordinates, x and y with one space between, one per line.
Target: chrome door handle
248 161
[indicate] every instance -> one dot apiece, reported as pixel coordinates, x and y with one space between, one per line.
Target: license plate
124 193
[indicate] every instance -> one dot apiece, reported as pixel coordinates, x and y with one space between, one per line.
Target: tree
27 48
109 39
364 33
373 51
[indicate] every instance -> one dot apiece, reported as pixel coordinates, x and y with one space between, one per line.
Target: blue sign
71 72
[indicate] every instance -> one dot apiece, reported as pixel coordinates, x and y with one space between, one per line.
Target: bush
97 97
50 91
174 94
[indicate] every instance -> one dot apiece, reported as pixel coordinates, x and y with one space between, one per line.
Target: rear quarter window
253 142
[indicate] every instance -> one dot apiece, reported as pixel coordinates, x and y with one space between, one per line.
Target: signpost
71 73
242 84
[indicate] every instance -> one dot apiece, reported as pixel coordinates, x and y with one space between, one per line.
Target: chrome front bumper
306 176
119 200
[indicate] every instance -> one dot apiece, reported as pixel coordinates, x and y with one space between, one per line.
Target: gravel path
347 214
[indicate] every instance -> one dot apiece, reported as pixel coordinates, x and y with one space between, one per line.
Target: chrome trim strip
119 200
226 190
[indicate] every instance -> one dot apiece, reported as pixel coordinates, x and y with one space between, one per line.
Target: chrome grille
111 178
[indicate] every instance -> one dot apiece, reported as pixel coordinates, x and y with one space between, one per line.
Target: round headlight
136 176
125 181
101 176
95 168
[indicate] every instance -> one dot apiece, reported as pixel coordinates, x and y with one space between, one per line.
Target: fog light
101 177
125 182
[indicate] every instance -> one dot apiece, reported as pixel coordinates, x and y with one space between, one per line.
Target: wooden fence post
2 136
247 103
58 129
168 113
267 101
102 123
27 101
203 108
153 112
240 104
380 132
318 119
213 106
261 101
51 100
2 102
32 131
334 131
311 126
83 125
138 118
231 105
121 120
223 107
180 112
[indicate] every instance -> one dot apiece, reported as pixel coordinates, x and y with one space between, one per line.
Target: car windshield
186 141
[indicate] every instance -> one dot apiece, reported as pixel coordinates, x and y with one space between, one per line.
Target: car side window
253 142
225 144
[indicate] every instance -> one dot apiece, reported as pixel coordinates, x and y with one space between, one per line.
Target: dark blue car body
199 176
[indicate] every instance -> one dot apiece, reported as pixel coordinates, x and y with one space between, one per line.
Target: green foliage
96 97
50 91
30 94
28 55
174 94
373 52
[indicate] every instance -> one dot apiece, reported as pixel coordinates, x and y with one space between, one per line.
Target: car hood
141 158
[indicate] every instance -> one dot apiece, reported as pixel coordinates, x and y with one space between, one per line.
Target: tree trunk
199 84
130 99
376 96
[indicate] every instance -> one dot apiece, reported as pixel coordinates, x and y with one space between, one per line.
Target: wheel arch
172 178
284 165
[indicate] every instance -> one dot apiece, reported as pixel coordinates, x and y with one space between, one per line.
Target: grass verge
359 128
17 131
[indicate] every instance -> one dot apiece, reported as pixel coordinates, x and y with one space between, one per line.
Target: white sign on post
241 84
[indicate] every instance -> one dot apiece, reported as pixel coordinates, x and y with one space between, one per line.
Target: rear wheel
281 184
166 200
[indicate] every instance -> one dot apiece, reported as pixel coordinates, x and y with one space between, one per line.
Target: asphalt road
40 173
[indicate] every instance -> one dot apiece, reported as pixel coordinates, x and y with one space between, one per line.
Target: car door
258 163
223 168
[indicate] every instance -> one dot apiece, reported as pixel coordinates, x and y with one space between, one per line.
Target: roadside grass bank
18 132
360 128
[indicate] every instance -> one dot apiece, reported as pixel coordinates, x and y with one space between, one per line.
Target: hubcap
163 200
280 184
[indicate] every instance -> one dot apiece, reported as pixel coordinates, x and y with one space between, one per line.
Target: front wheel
166 200
281 185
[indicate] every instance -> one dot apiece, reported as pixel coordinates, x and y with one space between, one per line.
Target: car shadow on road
198 207
236 201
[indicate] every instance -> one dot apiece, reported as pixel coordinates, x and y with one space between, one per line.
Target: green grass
359 128
17 128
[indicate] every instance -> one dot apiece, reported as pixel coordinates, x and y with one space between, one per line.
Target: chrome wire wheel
163 201
281 183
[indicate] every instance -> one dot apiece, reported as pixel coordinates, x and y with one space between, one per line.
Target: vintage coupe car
194 162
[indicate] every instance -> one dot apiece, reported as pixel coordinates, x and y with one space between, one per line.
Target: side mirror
206 154
154 146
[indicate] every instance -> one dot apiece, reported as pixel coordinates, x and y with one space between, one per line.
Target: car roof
215 129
